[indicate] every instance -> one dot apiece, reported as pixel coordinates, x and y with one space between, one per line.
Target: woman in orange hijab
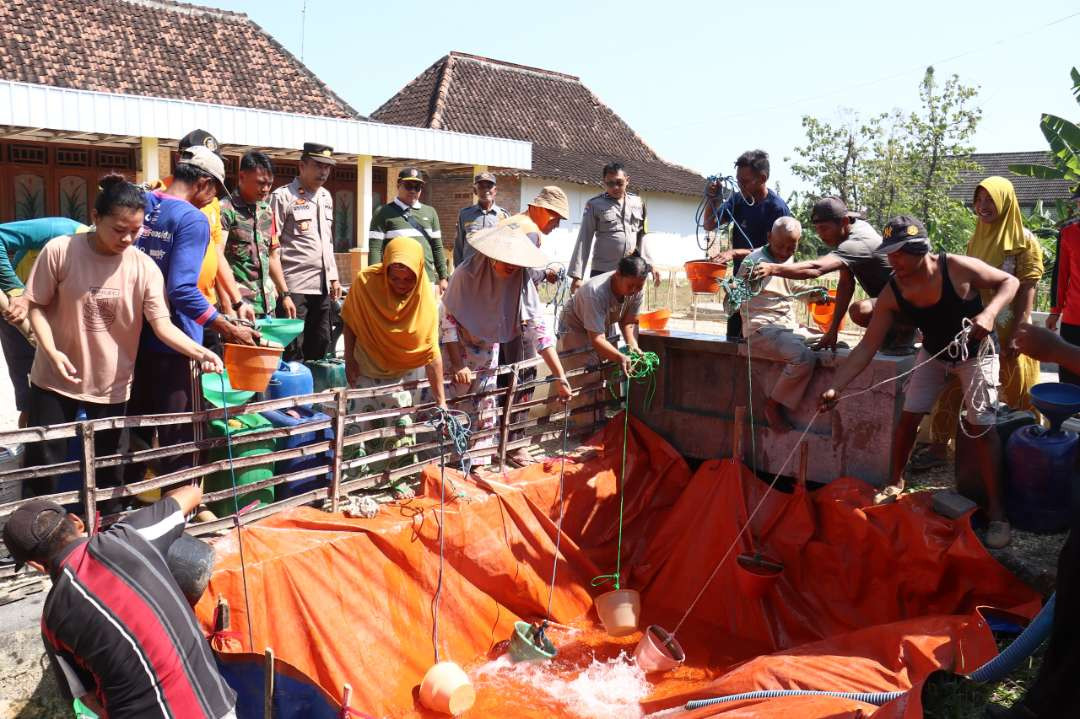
392 330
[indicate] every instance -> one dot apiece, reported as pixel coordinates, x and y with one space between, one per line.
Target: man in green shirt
407 217
251 244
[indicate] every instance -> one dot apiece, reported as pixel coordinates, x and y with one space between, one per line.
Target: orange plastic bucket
756 574
250 368
704 275
822 314
655 320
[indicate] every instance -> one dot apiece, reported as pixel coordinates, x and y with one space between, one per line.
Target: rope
446 421
727 187
957 350
642 365
236 514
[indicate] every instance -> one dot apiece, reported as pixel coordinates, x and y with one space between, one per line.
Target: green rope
642 366
740 289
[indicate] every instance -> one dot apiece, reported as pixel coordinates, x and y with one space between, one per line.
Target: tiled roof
573 133
1029 190
158 48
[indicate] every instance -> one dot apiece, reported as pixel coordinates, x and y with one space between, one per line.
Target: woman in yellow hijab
392 331
1000 240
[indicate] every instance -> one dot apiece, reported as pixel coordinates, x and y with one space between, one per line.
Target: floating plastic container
251 367
523 647
279 329
704 275
1038 492
655 320
658 651
619 610
446 689
297 417
327 373
756 574
291 379
241 425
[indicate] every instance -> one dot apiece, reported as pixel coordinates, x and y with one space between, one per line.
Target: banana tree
1064 139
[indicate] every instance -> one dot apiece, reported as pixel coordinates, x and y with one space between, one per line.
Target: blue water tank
1038 490
290 380
297 417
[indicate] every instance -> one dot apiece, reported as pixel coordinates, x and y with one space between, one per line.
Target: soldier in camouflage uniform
251 244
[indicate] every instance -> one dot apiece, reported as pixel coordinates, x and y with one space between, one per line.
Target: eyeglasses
412 186
615 183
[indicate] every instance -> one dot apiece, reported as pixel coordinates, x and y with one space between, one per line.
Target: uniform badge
303 225
912 230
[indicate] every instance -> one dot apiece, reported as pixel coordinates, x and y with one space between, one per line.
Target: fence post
341 408
86 434
504 433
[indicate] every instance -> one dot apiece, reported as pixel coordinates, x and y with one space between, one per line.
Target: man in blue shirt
176 235
20 243
754 209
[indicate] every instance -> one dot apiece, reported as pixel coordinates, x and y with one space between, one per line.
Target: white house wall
671 222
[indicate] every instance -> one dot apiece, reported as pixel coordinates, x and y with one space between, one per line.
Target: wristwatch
237 305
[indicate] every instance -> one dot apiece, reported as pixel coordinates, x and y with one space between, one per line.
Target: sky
701 82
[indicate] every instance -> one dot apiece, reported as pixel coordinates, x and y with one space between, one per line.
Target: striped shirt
390 222
115 623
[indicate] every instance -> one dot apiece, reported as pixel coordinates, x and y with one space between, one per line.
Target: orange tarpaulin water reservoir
870 599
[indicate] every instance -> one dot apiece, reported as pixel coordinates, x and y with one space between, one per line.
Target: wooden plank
508 408
86 432
340 411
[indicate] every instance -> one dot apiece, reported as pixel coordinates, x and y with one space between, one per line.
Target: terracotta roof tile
573 133
158 48
1029 190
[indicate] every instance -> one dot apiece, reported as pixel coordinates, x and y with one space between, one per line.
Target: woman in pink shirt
89 294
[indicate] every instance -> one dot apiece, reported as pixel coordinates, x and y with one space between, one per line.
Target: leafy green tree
899 162
1064 139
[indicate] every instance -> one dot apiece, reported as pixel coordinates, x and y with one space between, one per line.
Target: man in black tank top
937 293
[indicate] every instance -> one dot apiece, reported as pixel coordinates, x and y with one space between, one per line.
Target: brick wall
449 192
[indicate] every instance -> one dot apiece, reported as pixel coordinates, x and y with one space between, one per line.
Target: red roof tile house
146 72
573 135
1029 190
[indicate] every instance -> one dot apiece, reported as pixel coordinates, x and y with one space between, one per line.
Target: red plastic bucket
822 314
756 574
655 320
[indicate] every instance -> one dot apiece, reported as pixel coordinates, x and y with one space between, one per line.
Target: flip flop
888 495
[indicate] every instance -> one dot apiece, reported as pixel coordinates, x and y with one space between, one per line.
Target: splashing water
605 689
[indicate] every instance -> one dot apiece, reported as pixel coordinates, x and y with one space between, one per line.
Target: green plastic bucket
279 329
241 425
215 395
524 649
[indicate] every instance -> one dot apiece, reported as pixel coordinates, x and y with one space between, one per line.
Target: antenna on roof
303 18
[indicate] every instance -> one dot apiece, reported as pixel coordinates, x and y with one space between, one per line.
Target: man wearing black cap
406 216
117 628
303 213
939 295
479 216
854 255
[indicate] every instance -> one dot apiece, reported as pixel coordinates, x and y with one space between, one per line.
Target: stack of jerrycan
327 373
1042 462
294 379
238 427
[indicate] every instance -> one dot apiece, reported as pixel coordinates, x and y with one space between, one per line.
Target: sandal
888 495
998 534
922 460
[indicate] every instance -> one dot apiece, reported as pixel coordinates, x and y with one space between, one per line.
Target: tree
899 162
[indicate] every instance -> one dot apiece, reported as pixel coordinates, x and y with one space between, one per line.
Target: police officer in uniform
303 212
612 227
